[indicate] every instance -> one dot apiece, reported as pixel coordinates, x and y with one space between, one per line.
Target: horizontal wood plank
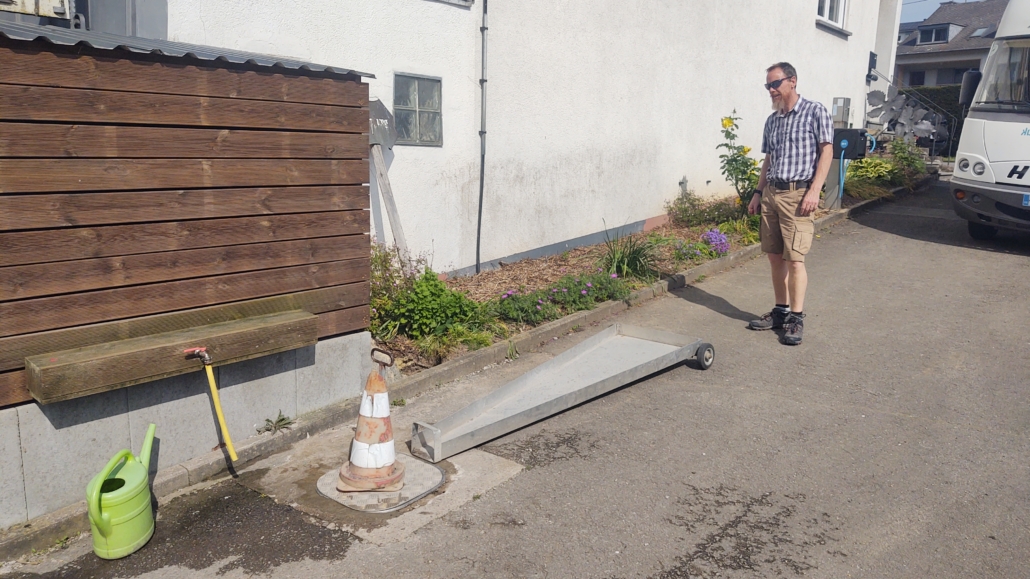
45 66
30 281
14 350
46 175
343 321
57 376
131 142
34 103
76 209
27 247
13 388
37 315
14 384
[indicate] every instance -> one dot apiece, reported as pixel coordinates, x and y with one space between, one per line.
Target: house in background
954 39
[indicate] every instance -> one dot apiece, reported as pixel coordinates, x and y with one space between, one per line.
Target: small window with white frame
832 11
417 110
933 35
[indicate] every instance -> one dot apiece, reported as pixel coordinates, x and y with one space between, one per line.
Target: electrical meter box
851 142
841 112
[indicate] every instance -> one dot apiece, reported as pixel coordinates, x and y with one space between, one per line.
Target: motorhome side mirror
970 80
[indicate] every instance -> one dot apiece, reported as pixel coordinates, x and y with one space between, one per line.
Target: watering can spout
148 443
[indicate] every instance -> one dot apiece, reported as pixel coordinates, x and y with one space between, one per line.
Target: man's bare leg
780 270
797 283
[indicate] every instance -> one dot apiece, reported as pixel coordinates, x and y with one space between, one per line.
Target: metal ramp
617 356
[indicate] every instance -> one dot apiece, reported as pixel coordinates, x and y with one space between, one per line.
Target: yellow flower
740 202
746 150
727 122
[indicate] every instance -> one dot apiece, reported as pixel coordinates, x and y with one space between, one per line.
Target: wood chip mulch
528 274
540 273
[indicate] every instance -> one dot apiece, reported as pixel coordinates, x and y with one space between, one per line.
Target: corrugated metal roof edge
103 41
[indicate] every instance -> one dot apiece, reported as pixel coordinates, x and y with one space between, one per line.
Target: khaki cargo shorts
784 230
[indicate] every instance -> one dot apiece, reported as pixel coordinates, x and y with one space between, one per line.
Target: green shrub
694 252
437 346
907 160
389 279
629 256
736 166
746 229
874 169
431 308
689 210
567 295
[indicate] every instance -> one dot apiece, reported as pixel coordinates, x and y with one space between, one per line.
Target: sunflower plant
738 168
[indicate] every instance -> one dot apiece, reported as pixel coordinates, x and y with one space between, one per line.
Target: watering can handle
103 520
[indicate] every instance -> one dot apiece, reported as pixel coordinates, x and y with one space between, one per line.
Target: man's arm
756 200
822 169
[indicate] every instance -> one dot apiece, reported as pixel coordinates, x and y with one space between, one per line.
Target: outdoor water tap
199 353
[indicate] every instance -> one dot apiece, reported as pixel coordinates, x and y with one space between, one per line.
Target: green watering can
120 514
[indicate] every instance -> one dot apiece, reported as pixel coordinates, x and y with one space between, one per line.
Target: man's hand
809 202
755 206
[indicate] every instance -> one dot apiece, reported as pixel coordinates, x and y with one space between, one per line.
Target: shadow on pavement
696 295
927 215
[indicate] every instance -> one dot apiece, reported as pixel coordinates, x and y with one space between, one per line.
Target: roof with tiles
984 15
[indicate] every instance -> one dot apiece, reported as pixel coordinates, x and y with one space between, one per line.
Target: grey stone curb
43 532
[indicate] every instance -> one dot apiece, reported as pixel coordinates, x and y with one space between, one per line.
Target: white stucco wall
596 108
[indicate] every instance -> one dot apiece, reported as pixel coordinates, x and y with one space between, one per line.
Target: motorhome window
1006 83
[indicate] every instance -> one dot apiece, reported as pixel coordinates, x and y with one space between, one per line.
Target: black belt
787 185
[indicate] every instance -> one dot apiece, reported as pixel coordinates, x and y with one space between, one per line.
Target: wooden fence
142 194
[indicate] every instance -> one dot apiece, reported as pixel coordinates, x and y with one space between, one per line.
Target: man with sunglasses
798 148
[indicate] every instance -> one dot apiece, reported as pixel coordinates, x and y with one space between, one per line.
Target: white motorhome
991 184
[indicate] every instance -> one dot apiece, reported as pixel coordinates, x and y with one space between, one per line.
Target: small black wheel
705 356
982 232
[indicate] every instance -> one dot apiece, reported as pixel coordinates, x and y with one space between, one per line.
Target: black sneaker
795 326
772 321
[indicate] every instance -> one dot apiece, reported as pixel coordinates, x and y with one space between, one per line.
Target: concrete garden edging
44 532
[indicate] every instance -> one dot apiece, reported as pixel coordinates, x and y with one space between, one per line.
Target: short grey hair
786 67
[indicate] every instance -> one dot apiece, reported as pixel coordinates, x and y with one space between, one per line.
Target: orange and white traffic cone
373 462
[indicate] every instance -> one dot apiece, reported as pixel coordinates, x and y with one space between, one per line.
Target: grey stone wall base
43 532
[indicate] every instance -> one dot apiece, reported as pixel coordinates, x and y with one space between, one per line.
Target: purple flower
504 296
540 301
717 241
554 290
584 292
565 290
538 307
615 275
590 284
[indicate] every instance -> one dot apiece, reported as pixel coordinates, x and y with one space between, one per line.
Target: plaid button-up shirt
793 140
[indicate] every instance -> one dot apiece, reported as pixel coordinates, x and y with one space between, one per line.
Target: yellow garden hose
206 359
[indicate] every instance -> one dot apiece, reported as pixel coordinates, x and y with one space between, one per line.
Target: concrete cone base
351 483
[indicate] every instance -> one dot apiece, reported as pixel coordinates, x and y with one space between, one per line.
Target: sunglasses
777 83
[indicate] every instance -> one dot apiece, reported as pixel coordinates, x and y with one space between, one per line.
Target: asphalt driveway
893 443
